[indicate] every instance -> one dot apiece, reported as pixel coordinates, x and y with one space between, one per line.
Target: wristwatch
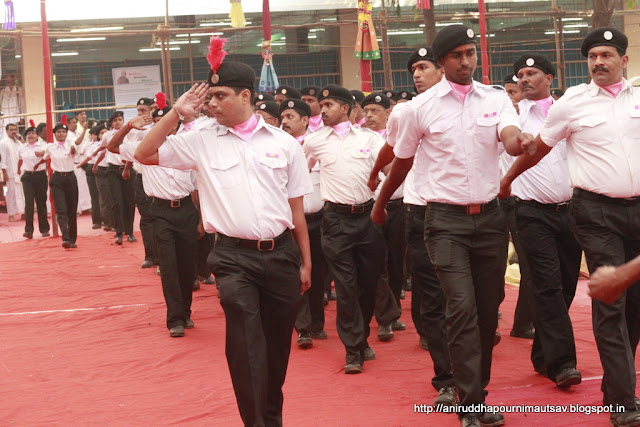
180 116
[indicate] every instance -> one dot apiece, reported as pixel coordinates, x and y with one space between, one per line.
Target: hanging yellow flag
237 15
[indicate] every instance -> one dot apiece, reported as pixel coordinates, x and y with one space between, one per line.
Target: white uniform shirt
456 145
548 181
112 158
345 163
204 122
9 156
244 186
603 138
27 153
61 158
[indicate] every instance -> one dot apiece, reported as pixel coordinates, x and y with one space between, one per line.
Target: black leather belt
34 171
394 204
349 209
550 206
63 173
262 245
419 209
588 195
171 203
112 166
310 217
466 209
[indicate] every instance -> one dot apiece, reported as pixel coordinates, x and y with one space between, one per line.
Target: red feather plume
32 123
63 119
216 53
161 100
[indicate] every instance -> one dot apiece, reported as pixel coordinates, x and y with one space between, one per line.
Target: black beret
510 78
161 113
29 129
263 97
378 99
60 126
534 60
289 92
450 37
391 94
604 36
270 107
424 53
358 96
337 92
310 91
233 74
296 104
404 95
145 101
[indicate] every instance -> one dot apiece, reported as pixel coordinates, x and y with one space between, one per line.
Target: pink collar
461 90
382 132
300 138
360 123
342 129
315 122
544 105
613 89
61 144
247 129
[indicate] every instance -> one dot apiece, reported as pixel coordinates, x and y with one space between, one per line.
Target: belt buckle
561 206
262 248
357 209
175 203
474 209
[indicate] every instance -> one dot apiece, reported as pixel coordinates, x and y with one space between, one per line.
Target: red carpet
84 342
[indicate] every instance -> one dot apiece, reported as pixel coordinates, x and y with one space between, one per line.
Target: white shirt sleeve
556 125
406 138
309 152
508 114
179 151
127 149
376 146
299 179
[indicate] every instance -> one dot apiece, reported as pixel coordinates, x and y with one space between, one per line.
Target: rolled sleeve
299 183
508 114
178 151
556 125
126 151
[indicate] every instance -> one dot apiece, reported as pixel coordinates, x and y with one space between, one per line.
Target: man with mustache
541 207
601 124
454 131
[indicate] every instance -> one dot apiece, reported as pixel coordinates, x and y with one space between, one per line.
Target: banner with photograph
132 83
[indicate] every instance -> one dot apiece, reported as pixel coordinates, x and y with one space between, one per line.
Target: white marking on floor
71 310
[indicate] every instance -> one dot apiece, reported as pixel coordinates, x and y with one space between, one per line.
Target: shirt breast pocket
634 122
587 123
438 133
361 153
487 128
276 164
226 171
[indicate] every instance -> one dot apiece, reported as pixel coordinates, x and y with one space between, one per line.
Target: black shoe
96 226
369 354
446 396
332 295
423 344
402 296
107 228
637 403
46 234
497 338
322 335
541 370
28 235
131 238
470 421
625 419
385 333
353 368
196 285
147 264
407 285
568 377
325 299
527 334
397 325
73 246
209 281
304 340
118 240
188 324
66 244
491 419
176 331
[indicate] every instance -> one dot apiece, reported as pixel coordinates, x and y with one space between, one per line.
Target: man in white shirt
251 180
34 183
454 130
310 96
353 245
541 197
600 122
9 147
295 115
11 99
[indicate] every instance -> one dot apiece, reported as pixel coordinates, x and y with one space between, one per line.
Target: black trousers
354 248
106 199
205 245
609 233
146 219
554 257
123 199
64 190
469 253
34 186
259 293
176 232
310 316
524 315
96 218
427 298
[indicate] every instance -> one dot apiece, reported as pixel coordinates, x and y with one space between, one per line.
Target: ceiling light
180 42
571 19
200 34
220 24
402 33
156 49
81 39
551 32
84 30
64 54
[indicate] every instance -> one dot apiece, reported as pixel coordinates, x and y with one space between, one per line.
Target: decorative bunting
237 14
